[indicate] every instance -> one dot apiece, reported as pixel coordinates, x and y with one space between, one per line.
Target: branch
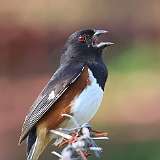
78 143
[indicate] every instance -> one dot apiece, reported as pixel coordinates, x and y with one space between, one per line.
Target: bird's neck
70 54
100 72
93 60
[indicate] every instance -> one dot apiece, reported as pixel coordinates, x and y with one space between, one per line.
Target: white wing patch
51 95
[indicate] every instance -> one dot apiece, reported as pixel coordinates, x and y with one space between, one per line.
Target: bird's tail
37 143
31 139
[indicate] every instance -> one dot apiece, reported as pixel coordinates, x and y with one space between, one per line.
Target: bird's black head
84 44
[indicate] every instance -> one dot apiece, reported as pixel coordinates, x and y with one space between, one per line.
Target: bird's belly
85 106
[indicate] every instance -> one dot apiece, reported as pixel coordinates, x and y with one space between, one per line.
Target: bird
76 88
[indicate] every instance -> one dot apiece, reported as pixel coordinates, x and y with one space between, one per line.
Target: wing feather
59 83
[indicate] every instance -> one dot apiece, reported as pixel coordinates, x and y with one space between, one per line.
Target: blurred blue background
31 35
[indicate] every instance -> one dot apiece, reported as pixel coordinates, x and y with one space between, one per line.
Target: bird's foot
73 138
79 141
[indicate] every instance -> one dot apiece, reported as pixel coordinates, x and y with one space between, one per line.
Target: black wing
58 83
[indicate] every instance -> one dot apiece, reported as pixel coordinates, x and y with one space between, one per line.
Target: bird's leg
74 132
74 137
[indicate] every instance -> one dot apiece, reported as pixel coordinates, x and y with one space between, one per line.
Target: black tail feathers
31 141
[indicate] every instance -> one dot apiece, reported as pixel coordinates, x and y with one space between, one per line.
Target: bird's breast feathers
85 105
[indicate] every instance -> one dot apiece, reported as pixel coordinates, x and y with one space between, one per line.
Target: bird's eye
81 39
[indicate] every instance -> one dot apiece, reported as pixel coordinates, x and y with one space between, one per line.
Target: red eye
81 39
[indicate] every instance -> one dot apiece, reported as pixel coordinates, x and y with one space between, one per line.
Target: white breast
85 106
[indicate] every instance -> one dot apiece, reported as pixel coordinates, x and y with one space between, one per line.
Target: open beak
97 44
99 32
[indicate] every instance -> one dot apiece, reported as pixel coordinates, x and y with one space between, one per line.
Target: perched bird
76 88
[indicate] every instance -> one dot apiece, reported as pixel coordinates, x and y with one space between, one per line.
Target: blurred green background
31 35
